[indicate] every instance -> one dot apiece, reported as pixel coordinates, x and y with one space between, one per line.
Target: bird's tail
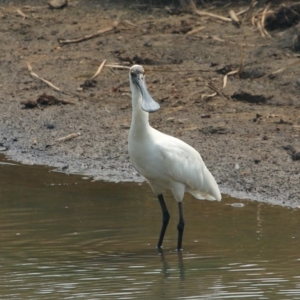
211 191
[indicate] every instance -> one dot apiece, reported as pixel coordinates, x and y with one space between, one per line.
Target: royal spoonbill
166 162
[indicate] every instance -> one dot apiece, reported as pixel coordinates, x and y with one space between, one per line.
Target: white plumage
165 161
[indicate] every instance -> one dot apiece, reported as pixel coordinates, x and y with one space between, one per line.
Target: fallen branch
90 36
42 79
68 137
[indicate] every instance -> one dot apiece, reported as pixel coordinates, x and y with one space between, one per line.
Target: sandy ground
247 133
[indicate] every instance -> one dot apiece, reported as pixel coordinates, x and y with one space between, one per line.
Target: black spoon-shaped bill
148 104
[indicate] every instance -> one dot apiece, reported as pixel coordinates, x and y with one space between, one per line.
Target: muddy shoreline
247 134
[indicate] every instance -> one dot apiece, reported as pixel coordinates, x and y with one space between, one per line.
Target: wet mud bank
226 89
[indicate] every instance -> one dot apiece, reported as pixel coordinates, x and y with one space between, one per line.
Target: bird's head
139 89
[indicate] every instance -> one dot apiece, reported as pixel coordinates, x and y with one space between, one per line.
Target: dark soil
248 133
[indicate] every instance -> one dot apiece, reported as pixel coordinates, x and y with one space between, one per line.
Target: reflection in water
63 237
259 228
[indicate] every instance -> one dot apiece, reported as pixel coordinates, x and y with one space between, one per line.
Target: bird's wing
184 164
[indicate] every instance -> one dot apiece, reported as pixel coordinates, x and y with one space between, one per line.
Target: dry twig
99 70
90 82
195 30
117 66
235 20
263 18
260 28
226 76
282 69
258 20
29 8
243 11
241 66
252 5
42 79
129 23
208 96
238 71
216 38
90 36
212 87
21 13
204 13
68 137
192 94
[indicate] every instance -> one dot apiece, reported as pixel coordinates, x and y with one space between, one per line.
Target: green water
64 237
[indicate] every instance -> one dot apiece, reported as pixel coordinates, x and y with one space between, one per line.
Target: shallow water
64 237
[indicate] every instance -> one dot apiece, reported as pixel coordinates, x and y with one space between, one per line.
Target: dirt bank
247 132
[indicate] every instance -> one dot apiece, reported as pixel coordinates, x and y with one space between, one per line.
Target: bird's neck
140 122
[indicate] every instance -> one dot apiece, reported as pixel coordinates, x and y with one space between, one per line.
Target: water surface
65 237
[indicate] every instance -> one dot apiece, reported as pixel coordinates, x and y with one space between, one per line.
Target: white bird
166 162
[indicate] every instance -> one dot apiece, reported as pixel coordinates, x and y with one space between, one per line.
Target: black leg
180 227
165 220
